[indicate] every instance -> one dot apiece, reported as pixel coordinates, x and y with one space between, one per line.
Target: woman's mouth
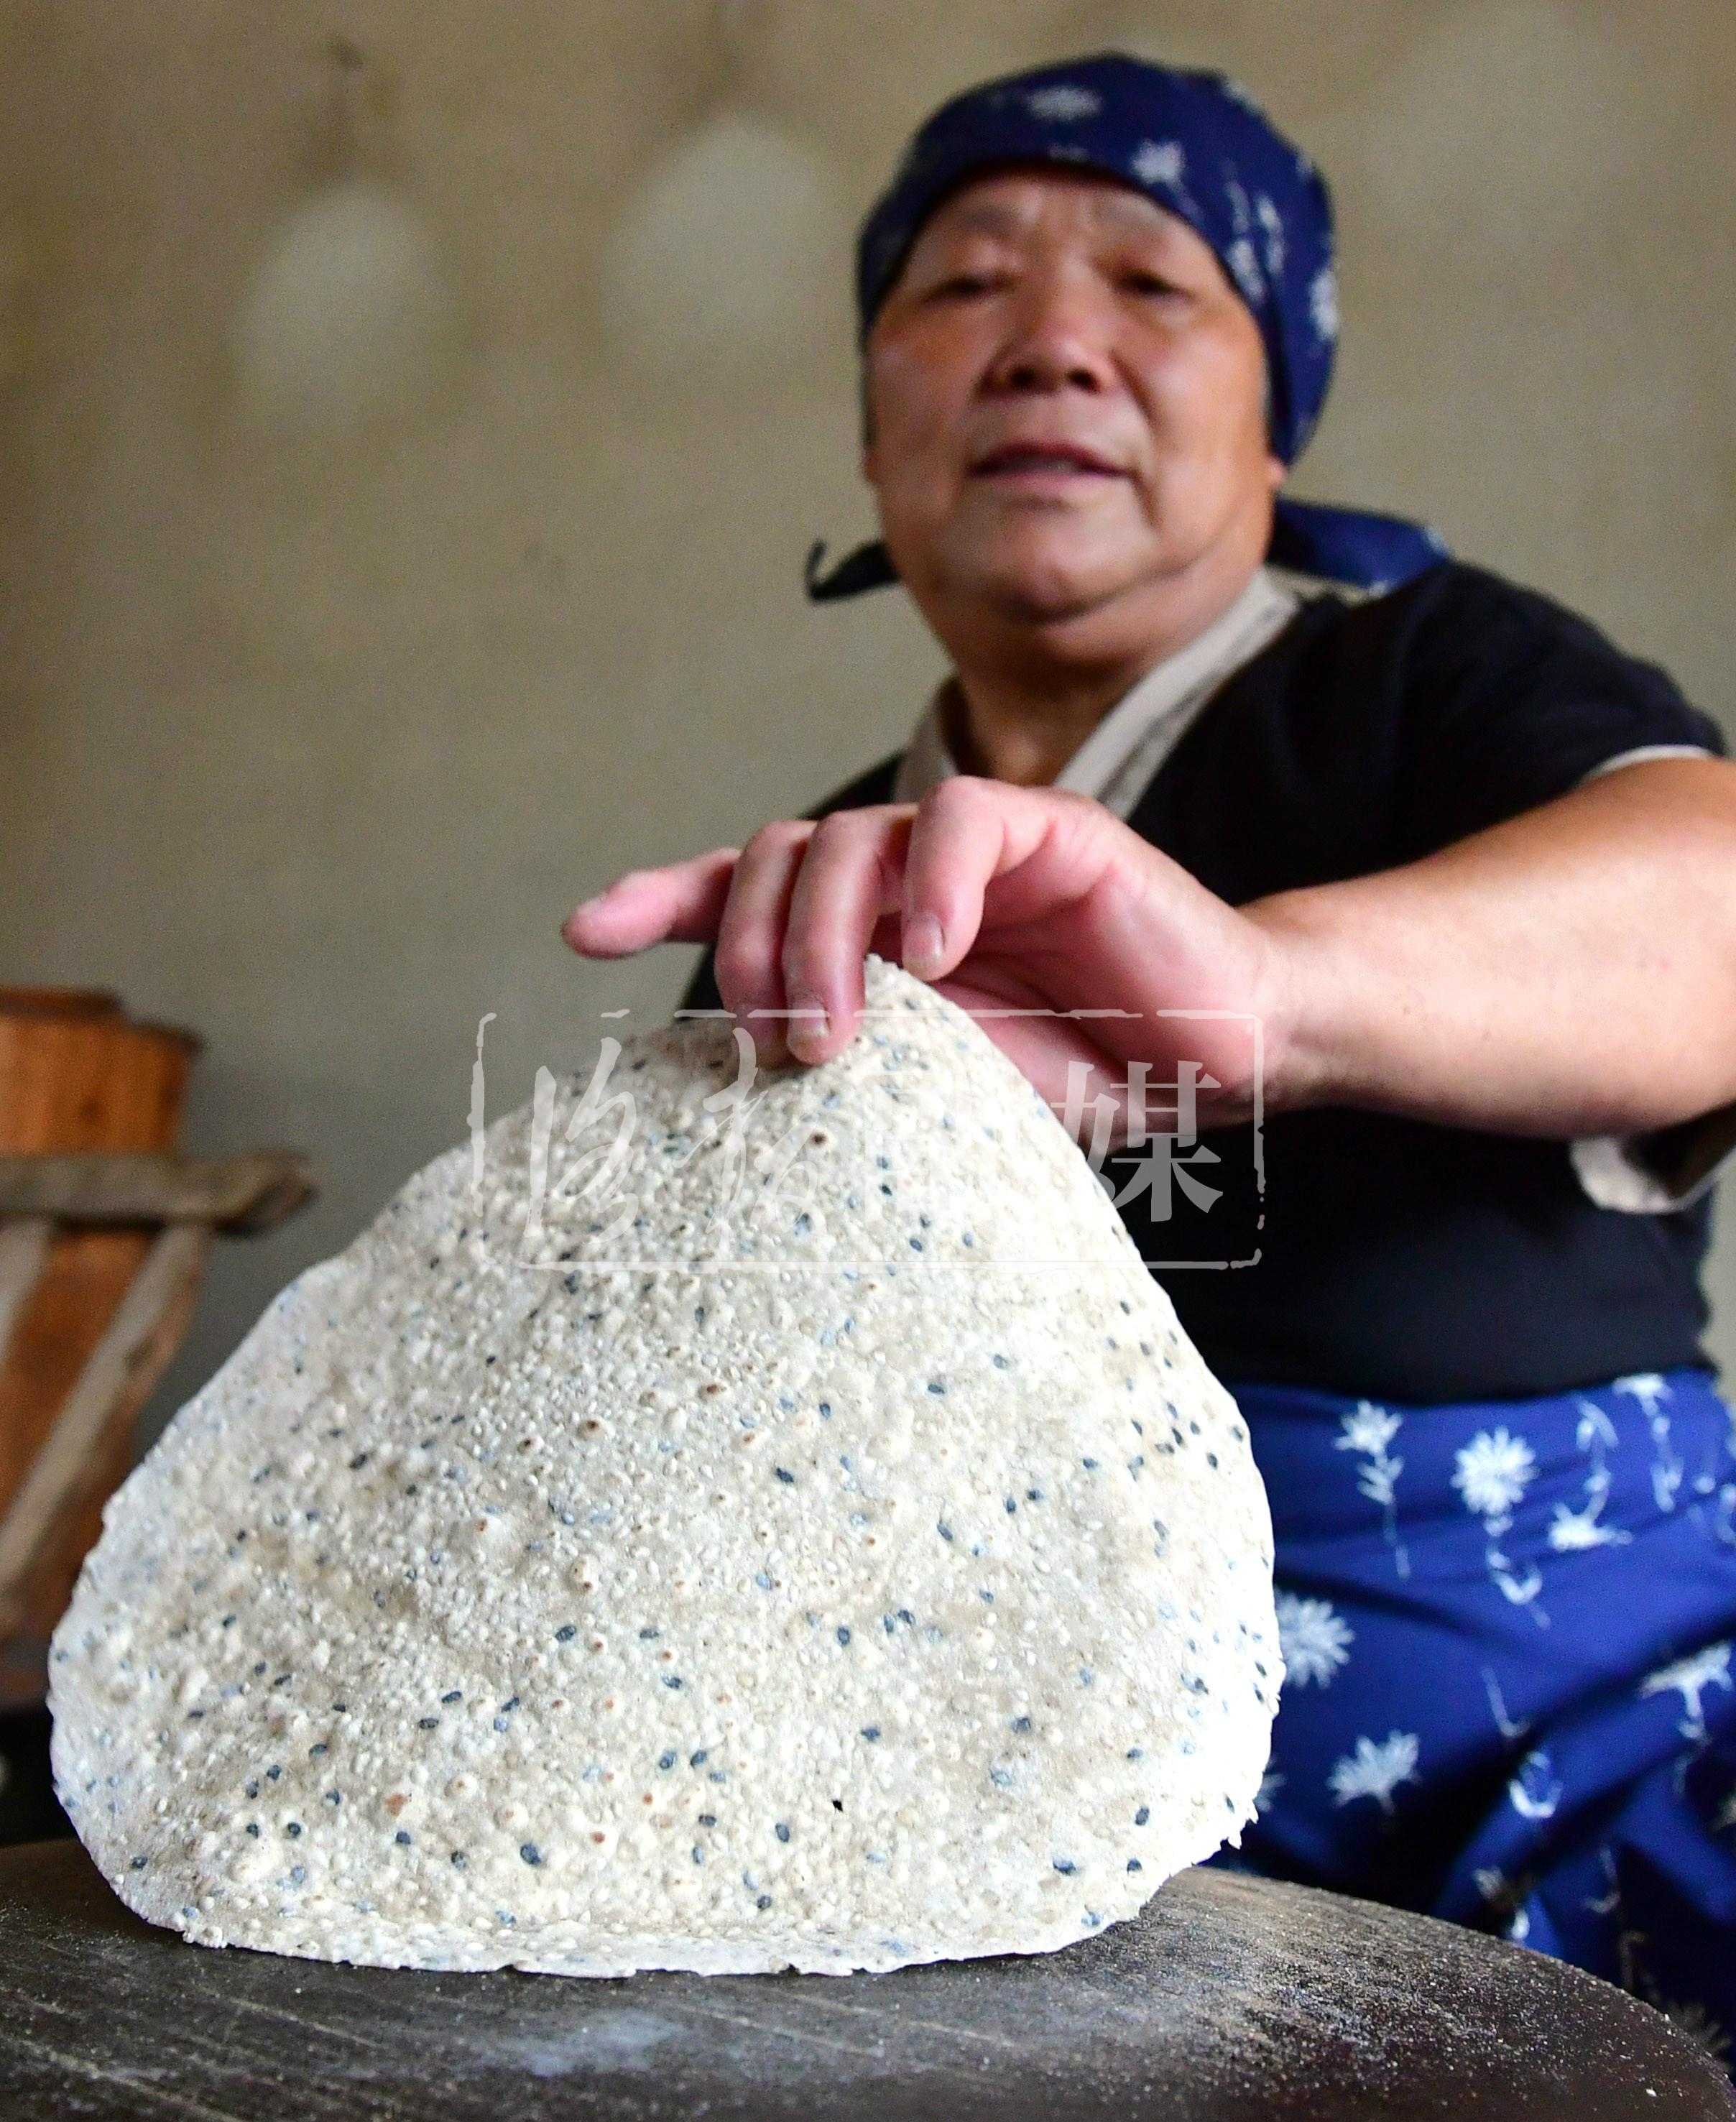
1032 465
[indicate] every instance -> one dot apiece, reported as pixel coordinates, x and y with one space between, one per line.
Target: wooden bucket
76 1073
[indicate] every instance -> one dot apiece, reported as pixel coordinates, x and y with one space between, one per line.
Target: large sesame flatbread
532 1589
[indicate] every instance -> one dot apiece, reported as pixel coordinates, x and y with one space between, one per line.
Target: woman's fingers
680 903
969 833
748 963
793 913
848 882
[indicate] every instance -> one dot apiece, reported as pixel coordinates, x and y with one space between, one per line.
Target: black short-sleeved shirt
1397 1257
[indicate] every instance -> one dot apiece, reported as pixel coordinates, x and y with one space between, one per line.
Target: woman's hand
1569 971
1019 905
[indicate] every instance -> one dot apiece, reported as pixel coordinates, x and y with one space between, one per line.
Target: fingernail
808 1022
924 945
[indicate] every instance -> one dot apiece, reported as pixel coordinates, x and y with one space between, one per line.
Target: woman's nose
1058 332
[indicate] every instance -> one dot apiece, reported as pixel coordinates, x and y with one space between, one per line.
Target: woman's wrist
1307 1018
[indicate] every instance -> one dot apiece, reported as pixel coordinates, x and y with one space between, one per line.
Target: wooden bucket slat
76 1074
113 1385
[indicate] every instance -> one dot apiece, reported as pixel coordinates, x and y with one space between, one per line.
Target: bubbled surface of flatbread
531 1589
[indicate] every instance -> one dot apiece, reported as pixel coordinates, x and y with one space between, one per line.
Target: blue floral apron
1508 1630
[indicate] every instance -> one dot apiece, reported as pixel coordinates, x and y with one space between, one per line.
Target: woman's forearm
1570 971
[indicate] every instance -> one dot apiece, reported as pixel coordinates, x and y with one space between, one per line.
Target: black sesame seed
292 1828
665 1760
1066 1866
402 1838
531 1853
784 1474
870 1732
763 1902
455 1695
1134 1864
565 1633
1142 1816
843 1635
428 1723
782 1830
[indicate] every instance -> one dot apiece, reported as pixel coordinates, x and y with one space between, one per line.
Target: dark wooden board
1229 1997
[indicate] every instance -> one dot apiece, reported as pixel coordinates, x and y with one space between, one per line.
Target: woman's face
1049 308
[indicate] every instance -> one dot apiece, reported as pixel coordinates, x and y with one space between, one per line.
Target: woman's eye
964 283
1151 283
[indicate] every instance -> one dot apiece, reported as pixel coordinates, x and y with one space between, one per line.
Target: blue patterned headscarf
1197 145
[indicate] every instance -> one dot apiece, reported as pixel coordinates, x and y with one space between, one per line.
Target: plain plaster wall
311 749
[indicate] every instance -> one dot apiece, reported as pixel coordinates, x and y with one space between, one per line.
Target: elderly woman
1472 870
